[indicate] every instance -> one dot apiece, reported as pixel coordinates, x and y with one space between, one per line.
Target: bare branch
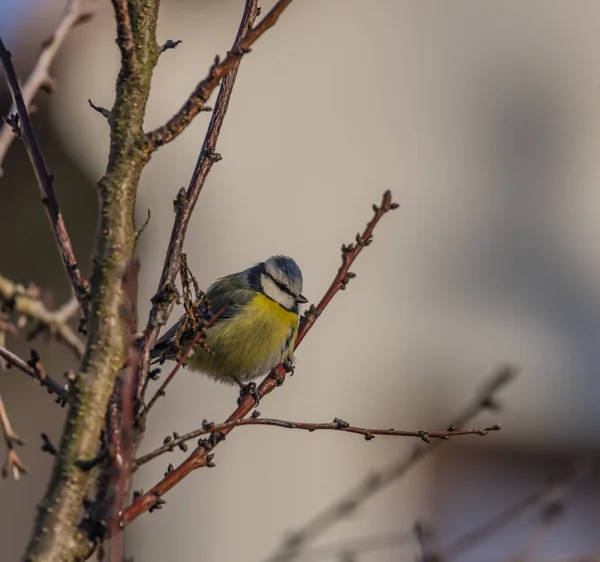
45 180
374 483
554 489
198 98
101 110
125 35
75 12
13 464
275 378
57 534
184 206
26 302
37 373
336 425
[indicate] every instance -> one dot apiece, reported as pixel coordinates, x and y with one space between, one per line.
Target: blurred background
483 120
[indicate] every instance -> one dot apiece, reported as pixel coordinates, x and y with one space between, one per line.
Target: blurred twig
200 457
75 12
553 491
22 127
26 302
36 372
297 541
13 464
337 425
184 205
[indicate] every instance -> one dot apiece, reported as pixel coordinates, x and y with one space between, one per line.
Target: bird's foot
249 389
289 367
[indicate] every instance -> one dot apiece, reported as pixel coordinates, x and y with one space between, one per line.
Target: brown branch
275 378
27 303
36 372
75 12
125 35
198 98
336 425
374 483
13 464
23 127
184 206
555 488
56 534
195 340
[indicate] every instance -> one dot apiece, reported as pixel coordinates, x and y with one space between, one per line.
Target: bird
255 330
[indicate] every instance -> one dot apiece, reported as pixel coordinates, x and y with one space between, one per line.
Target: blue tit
257 329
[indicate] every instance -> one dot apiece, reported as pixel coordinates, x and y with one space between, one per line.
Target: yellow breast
258 337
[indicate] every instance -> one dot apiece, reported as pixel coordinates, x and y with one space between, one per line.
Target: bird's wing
229 293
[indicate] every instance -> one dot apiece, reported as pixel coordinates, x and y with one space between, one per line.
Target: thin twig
336 425
553 489
45 180
199 456
75 13
162 302
200 333
13 464
27 303
36 374
198 98
351 501
125 35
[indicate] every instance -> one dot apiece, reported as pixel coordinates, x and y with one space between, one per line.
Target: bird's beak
301 299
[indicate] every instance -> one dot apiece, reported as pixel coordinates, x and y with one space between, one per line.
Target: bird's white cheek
274 292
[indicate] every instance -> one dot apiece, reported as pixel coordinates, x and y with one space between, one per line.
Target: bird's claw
249 389
289 367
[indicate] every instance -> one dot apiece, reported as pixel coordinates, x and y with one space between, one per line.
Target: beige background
482 119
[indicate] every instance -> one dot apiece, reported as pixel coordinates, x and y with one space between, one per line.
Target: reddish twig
125 35
36 372
13 464
181 360
185 204
376 482
336 425
275 378
75 12
23 128
198 98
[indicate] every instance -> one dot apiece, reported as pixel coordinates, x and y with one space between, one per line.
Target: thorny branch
185 203
336 425
200 456
13 464
22 127
76 12
294 544
36 371
26 303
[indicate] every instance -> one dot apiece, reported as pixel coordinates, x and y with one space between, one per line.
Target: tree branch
23 128
56 534
337 425
198 98
184 206
26 302
349 503
13 464
275 378
75 13
36 372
